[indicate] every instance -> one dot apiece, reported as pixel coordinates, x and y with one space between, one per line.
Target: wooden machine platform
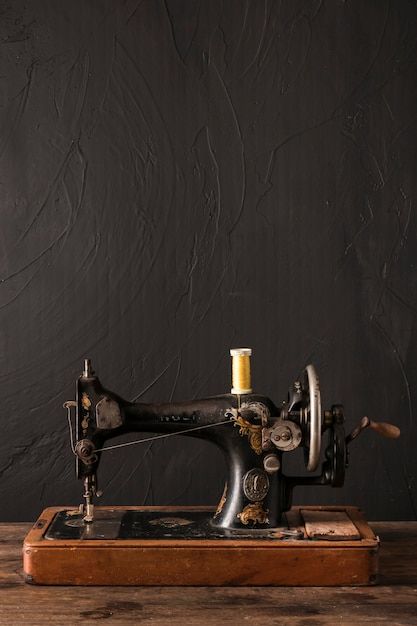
316 546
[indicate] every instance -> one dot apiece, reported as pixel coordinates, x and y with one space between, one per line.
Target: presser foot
86 509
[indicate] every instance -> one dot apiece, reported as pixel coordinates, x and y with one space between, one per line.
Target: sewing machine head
251 430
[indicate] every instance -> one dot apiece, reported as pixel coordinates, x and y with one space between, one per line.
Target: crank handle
383 428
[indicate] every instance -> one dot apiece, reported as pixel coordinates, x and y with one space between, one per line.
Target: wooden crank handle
386 430
383 428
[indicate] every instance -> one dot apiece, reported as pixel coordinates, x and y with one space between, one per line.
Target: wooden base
336 547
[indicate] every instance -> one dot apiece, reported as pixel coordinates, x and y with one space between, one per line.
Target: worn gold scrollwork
254 513
86 404
252 431
221 502
85 401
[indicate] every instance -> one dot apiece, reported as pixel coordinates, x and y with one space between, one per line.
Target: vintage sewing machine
253 537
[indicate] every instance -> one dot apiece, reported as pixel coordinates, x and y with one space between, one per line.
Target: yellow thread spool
241 382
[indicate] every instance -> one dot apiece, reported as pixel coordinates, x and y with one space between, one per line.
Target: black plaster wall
180 177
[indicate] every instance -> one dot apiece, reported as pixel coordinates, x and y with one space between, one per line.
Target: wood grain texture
329 525
339 555
392 603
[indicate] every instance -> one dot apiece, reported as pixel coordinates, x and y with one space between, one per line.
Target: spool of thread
241 382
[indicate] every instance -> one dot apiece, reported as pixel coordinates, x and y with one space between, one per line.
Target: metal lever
383 428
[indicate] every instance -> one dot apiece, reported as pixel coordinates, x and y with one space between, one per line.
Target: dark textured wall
180 177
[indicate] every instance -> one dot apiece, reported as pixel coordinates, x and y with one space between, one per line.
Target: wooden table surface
393 601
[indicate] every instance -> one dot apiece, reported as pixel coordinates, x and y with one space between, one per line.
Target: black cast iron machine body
250 429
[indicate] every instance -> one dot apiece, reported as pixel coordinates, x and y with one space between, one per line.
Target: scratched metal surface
181 177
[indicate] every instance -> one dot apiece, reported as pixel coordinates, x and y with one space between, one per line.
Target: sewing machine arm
250 429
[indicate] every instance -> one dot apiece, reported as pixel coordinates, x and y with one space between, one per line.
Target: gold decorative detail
86 404
222 502
85 401
253 432
171 522
254 513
